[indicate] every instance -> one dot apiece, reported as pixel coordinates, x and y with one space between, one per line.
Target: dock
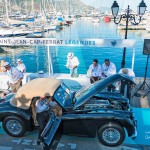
131 27
140 107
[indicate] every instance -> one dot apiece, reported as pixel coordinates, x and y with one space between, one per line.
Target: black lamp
115 9
129 17
141 8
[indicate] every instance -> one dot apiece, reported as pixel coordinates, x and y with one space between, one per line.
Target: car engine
96 104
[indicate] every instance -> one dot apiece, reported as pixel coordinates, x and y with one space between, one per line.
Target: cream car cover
37 87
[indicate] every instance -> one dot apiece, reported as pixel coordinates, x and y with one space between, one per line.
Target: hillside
25 6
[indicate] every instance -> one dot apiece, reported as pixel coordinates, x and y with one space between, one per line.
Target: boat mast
69 7
44 5
26 7
33 14
33 7
6 7
40 8
9 7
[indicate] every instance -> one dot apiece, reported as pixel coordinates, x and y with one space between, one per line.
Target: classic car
91 111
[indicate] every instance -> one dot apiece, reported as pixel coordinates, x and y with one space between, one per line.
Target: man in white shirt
126 86
21 66
108 68
15 77
72 64
95 71
42 106
42 113
128 72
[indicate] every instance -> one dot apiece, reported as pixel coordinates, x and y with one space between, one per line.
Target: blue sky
122 3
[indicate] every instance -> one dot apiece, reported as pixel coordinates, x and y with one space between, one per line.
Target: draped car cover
36 88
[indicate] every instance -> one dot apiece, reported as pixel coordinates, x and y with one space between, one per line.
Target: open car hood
84 94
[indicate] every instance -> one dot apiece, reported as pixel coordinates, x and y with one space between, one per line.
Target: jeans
74 71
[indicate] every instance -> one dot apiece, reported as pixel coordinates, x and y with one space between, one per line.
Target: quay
28 142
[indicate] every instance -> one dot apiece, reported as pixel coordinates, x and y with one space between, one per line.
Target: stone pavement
66 143
141 102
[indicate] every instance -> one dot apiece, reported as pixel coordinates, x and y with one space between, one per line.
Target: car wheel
14 126
111 134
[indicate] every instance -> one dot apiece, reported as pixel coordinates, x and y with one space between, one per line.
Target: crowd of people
97 72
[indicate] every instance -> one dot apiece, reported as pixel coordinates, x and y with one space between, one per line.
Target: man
21 66
40 108
108 68
95 71
128 72
72 64
126 86
15 77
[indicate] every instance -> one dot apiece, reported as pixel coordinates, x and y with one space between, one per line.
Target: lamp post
129 17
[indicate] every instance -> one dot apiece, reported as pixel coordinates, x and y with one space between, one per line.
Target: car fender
21 114
103 118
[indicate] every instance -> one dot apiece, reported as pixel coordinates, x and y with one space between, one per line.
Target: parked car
89 112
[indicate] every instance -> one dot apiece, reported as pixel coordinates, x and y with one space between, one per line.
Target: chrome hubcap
14 126
111 135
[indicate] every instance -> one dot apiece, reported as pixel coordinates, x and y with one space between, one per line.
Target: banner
118 43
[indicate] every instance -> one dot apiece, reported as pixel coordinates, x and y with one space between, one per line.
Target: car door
52 132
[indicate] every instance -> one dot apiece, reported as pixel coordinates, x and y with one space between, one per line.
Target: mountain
71 6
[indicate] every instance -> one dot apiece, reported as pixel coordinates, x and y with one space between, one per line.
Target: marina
44 35
76 31
91 25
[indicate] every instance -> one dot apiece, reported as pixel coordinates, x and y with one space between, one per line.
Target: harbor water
35 58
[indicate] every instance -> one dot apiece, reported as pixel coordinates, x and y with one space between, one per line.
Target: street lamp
129 17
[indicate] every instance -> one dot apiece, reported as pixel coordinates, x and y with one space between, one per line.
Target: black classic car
90 111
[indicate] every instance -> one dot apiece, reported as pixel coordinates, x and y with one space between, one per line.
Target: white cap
19 60
70 55
6 64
